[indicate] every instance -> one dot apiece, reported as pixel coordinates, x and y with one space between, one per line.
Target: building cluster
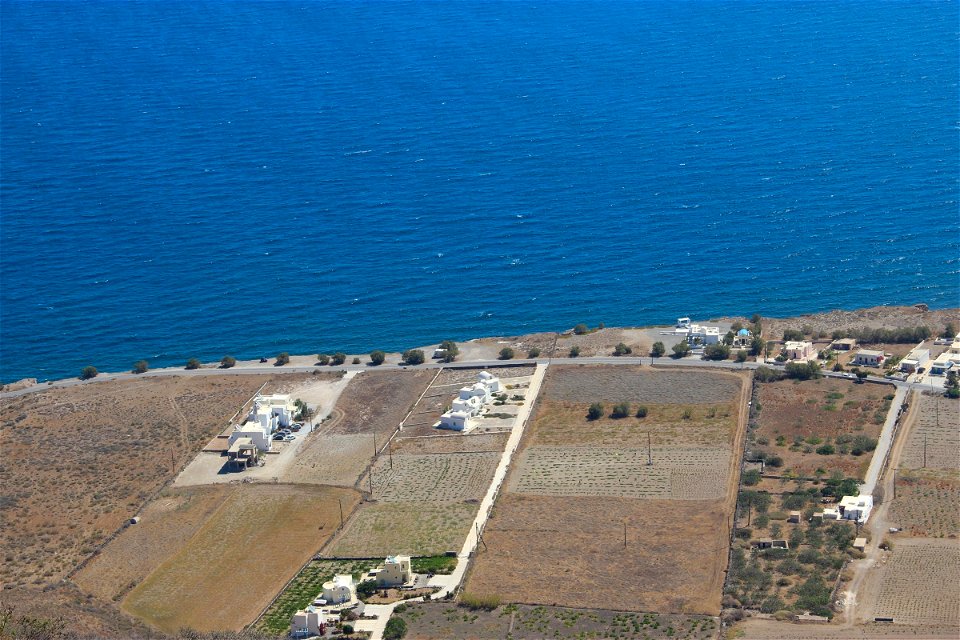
469 403
695 334
855 508
267 415
948 360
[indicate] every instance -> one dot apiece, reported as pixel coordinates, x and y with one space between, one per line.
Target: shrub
282 359
396 628
595 412
88 373
658 350
766 374
774 461
414 357
348 629
802 370
741 356
581 329
140 366
192 364
338 358
861 444
621 349
377 357
716 352
506 353
792 334
574 352
356 361
227 362
323 359
681 349
534 352
486 603
620 410
751 478
641 411
450 350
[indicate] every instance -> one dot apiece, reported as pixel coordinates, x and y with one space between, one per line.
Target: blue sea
194 179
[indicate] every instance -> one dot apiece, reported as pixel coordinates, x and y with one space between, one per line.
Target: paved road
884 443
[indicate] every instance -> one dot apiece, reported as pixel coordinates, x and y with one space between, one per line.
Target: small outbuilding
860 544
767 543
844 344
794 517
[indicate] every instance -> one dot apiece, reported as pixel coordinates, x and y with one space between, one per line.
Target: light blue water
197 179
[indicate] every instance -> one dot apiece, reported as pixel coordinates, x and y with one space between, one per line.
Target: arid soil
376 402
598 383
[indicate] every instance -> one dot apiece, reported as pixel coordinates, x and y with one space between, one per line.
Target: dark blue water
195 179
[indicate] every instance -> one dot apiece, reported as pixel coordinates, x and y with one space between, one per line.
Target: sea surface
195 179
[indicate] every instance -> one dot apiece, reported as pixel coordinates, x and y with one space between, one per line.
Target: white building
340 590
307 622
396 572
703 335
947 360
856 507
914 360
869 358
743 339
261 438
469 403
799 350
267 414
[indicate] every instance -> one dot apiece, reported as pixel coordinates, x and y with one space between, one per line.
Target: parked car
279 436
295 427
289 437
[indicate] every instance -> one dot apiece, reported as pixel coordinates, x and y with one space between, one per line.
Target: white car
289 437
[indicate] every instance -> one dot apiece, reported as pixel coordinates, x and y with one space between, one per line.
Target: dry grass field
569 551
337 460
556 536
443 621
919 583
376 401
927 503
796 418
937 427
78 461
646 385
81 615
166 525
413 528
452 443
435 478
457 378
229 570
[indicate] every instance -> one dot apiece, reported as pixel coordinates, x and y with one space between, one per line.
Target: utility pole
370 478
374 444
649 451
390 451
925 450
340 502
624 534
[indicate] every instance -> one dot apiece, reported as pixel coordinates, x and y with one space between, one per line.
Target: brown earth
376 402
79 461
454 443
79 615
792 409
243 554
927 503
647 385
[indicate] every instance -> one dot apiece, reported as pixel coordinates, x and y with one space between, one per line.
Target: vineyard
433 478
639 384
927 504
920 583
935 438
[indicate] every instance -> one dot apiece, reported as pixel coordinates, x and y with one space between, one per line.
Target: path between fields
883 445
449 583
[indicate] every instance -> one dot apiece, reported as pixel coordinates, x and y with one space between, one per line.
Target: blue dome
743 332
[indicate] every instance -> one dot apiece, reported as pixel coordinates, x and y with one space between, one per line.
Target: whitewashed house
308 622
703 335
469 403
914 360
340 590
267 414
799 350
856 507
395 572
251 432
869 358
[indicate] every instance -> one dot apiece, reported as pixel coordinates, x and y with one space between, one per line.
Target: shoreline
827 321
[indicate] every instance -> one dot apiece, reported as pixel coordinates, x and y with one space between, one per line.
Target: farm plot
453 477
442 621
935 437
927 503
919 583
221 579
570 551
165 526
412 528
79 461
678 473
376 402
826 424
586 384
455 378
454 443
337 460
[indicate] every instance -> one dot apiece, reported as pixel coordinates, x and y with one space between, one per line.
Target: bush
716 352
751 478
323 359
802 370
506 353
741 356
396 628
792 334
414 357
450 350
621 349
486 603
766 374
574 352
862 444
282 359
338 358
658 350
348 629
620 410
140 366
227 362
826 450
581 329
774 461
641 411
88 373
681 349
356 361
595 412
192 364
534 352
377 357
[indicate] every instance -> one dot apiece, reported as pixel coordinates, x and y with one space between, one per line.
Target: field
78 461
337 460
569 551
453 477
927 504
166 525
412 528
442 621
228 571
937 427
579 487
797 418
919 584
376 402
471 443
